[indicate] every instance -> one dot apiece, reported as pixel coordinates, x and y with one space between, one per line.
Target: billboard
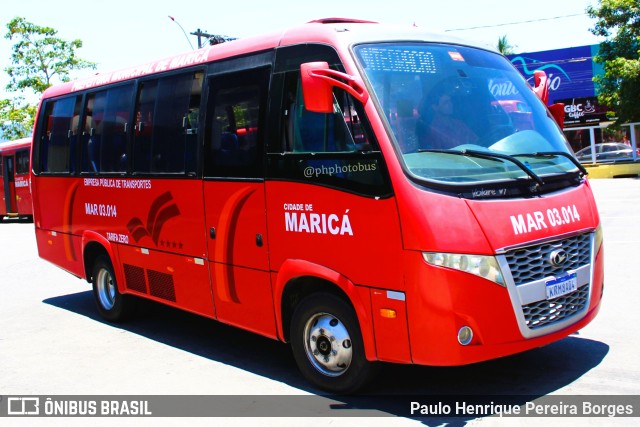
570 72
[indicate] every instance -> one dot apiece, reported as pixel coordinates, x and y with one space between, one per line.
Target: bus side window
167 113
22 162
310 132
235 124
104 136
116 124
91 133
143 131
57 140
336 149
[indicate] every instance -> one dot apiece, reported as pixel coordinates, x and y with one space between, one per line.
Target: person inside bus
441 129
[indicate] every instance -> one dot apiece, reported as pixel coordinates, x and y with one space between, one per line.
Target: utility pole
213 39
201 34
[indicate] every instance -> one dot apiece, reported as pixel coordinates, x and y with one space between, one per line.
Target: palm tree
504 47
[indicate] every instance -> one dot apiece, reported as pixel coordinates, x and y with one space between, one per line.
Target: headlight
484 266
599 237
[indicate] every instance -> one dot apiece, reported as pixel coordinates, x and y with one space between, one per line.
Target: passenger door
9 192
329 195
234 197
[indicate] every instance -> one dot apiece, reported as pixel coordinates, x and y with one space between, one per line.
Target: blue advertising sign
570 72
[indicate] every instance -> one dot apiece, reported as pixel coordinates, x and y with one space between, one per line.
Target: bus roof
332 31
15 144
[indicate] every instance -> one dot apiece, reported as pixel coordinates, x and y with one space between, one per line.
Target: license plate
562 286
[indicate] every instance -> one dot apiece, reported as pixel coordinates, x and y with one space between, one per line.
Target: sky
117 34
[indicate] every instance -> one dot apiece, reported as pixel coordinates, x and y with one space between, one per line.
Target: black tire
112 305
327 344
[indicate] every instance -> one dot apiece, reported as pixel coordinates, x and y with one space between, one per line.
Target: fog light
465 335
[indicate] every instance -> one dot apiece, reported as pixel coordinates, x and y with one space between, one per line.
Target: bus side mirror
318 81
558 113
541 89
541 85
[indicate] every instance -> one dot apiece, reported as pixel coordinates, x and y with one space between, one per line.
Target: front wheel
112 305
327 344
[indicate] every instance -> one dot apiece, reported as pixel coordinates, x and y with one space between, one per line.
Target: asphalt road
52 342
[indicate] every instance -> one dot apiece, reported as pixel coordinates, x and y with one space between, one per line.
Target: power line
517 23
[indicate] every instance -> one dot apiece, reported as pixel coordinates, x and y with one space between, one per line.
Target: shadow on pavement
512 380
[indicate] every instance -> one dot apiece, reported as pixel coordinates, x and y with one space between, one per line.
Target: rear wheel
327 344
112 305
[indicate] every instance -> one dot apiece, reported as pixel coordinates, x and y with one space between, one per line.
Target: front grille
545 312
531 263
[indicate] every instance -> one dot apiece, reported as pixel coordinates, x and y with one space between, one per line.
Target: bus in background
362 192
15 179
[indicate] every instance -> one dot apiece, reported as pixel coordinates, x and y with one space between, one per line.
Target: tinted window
166 128
337 149
309 132
235 122
106 121
58 138
22 162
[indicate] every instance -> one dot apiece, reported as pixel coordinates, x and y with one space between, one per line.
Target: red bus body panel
152 217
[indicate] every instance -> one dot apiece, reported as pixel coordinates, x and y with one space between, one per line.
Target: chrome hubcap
106 289
328 344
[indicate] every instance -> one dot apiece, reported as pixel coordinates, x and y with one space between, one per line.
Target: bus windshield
445 101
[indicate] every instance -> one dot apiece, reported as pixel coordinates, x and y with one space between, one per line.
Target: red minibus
15 179
356 190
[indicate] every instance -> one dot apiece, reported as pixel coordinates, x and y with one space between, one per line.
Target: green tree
619 87
16 118
504 47
38 60
39 57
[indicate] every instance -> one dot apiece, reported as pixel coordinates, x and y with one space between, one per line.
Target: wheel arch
298 279
94 245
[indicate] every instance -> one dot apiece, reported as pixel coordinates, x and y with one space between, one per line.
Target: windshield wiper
489 156
556 153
